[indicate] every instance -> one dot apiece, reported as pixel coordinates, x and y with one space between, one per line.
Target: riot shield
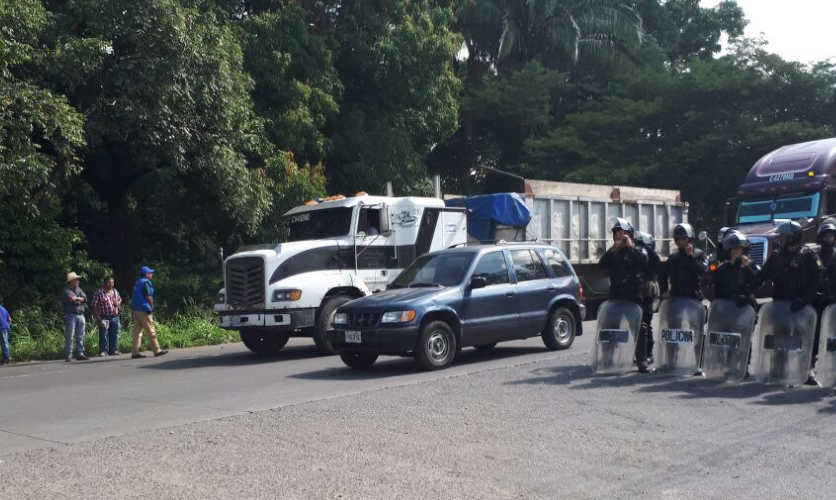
615 341
680 331
826 364
784 343
728 341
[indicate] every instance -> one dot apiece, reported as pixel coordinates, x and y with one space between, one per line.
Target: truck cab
796 182
337 249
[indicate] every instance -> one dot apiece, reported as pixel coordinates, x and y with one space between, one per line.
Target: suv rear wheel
436 347
560 331
262 341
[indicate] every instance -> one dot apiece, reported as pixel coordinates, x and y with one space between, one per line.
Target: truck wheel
358 360
324 319
436 347
485 347
560 330
263 342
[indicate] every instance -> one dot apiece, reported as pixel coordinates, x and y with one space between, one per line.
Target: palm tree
558 33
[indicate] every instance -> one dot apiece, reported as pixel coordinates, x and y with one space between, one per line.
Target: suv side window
492 267
527 266
557 262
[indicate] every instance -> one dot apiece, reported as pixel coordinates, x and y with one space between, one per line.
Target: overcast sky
800 30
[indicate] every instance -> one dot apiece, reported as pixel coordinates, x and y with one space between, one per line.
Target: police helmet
683 231
734 239
721 235
791 232
827 225
620 224
645 240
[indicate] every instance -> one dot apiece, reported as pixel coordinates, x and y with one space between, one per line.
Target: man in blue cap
142 305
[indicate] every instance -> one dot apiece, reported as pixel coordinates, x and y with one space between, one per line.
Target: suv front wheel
436 347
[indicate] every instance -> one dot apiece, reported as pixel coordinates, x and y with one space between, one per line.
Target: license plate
352 338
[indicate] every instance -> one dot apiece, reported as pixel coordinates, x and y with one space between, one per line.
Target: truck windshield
319 224
789 206
439 270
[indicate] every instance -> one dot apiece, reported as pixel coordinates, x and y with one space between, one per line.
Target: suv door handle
509 294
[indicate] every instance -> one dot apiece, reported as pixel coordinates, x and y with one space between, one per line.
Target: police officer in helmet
793 270
626 262
682 273
649 292
826 239
735 279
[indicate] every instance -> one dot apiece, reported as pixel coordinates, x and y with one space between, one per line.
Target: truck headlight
398 317
286 295
220 298
341 319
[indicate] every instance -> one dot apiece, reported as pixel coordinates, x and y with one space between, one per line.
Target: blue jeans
109 337
4 343
73 326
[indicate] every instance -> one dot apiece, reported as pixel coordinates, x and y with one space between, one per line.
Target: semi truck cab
796 182
337 250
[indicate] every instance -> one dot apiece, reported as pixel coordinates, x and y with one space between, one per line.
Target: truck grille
364 319
757 251
245 281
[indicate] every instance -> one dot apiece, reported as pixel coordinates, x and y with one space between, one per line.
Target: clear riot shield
784 343
615 341
826 364
728 341
680 331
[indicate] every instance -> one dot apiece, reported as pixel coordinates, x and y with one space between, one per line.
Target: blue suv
464 297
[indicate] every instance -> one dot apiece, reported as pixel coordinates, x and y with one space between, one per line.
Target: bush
39 335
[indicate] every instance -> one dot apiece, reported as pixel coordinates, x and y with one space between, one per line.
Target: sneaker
137 355
102 354
114 353
643 368
160 353
811 380
82 357
68 359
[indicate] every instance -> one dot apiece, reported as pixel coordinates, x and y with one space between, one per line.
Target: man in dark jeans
625 262
73 302
106 304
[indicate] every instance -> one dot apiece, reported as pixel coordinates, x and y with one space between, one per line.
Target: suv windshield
789 206
439 270
319 224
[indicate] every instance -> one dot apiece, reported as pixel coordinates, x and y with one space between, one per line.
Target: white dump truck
337 250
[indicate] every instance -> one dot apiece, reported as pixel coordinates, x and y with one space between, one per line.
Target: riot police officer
681 274
625 262
826 239
736 278
793 270
649 292
721 238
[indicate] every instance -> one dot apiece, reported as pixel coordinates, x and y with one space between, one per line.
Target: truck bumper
277 319
381 341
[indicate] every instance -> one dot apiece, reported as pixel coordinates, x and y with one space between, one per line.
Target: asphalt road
517 422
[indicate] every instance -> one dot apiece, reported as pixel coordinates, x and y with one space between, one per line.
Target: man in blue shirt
142 305
5 325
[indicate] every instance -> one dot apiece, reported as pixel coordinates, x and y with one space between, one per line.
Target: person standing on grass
142 305
73 302
5 326
106 303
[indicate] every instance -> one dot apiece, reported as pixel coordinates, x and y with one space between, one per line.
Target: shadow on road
232 359
582 378
391 366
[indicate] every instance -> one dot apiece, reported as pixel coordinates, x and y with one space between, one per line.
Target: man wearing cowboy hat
73 302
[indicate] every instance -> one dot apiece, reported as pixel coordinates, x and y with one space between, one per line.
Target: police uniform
682 274
736 282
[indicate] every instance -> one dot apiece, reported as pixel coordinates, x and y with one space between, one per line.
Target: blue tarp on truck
486 212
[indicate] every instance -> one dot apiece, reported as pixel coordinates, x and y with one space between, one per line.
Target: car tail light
580 291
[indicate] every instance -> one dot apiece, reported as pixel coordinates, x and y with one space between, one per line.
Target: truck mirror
702 236
385 220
